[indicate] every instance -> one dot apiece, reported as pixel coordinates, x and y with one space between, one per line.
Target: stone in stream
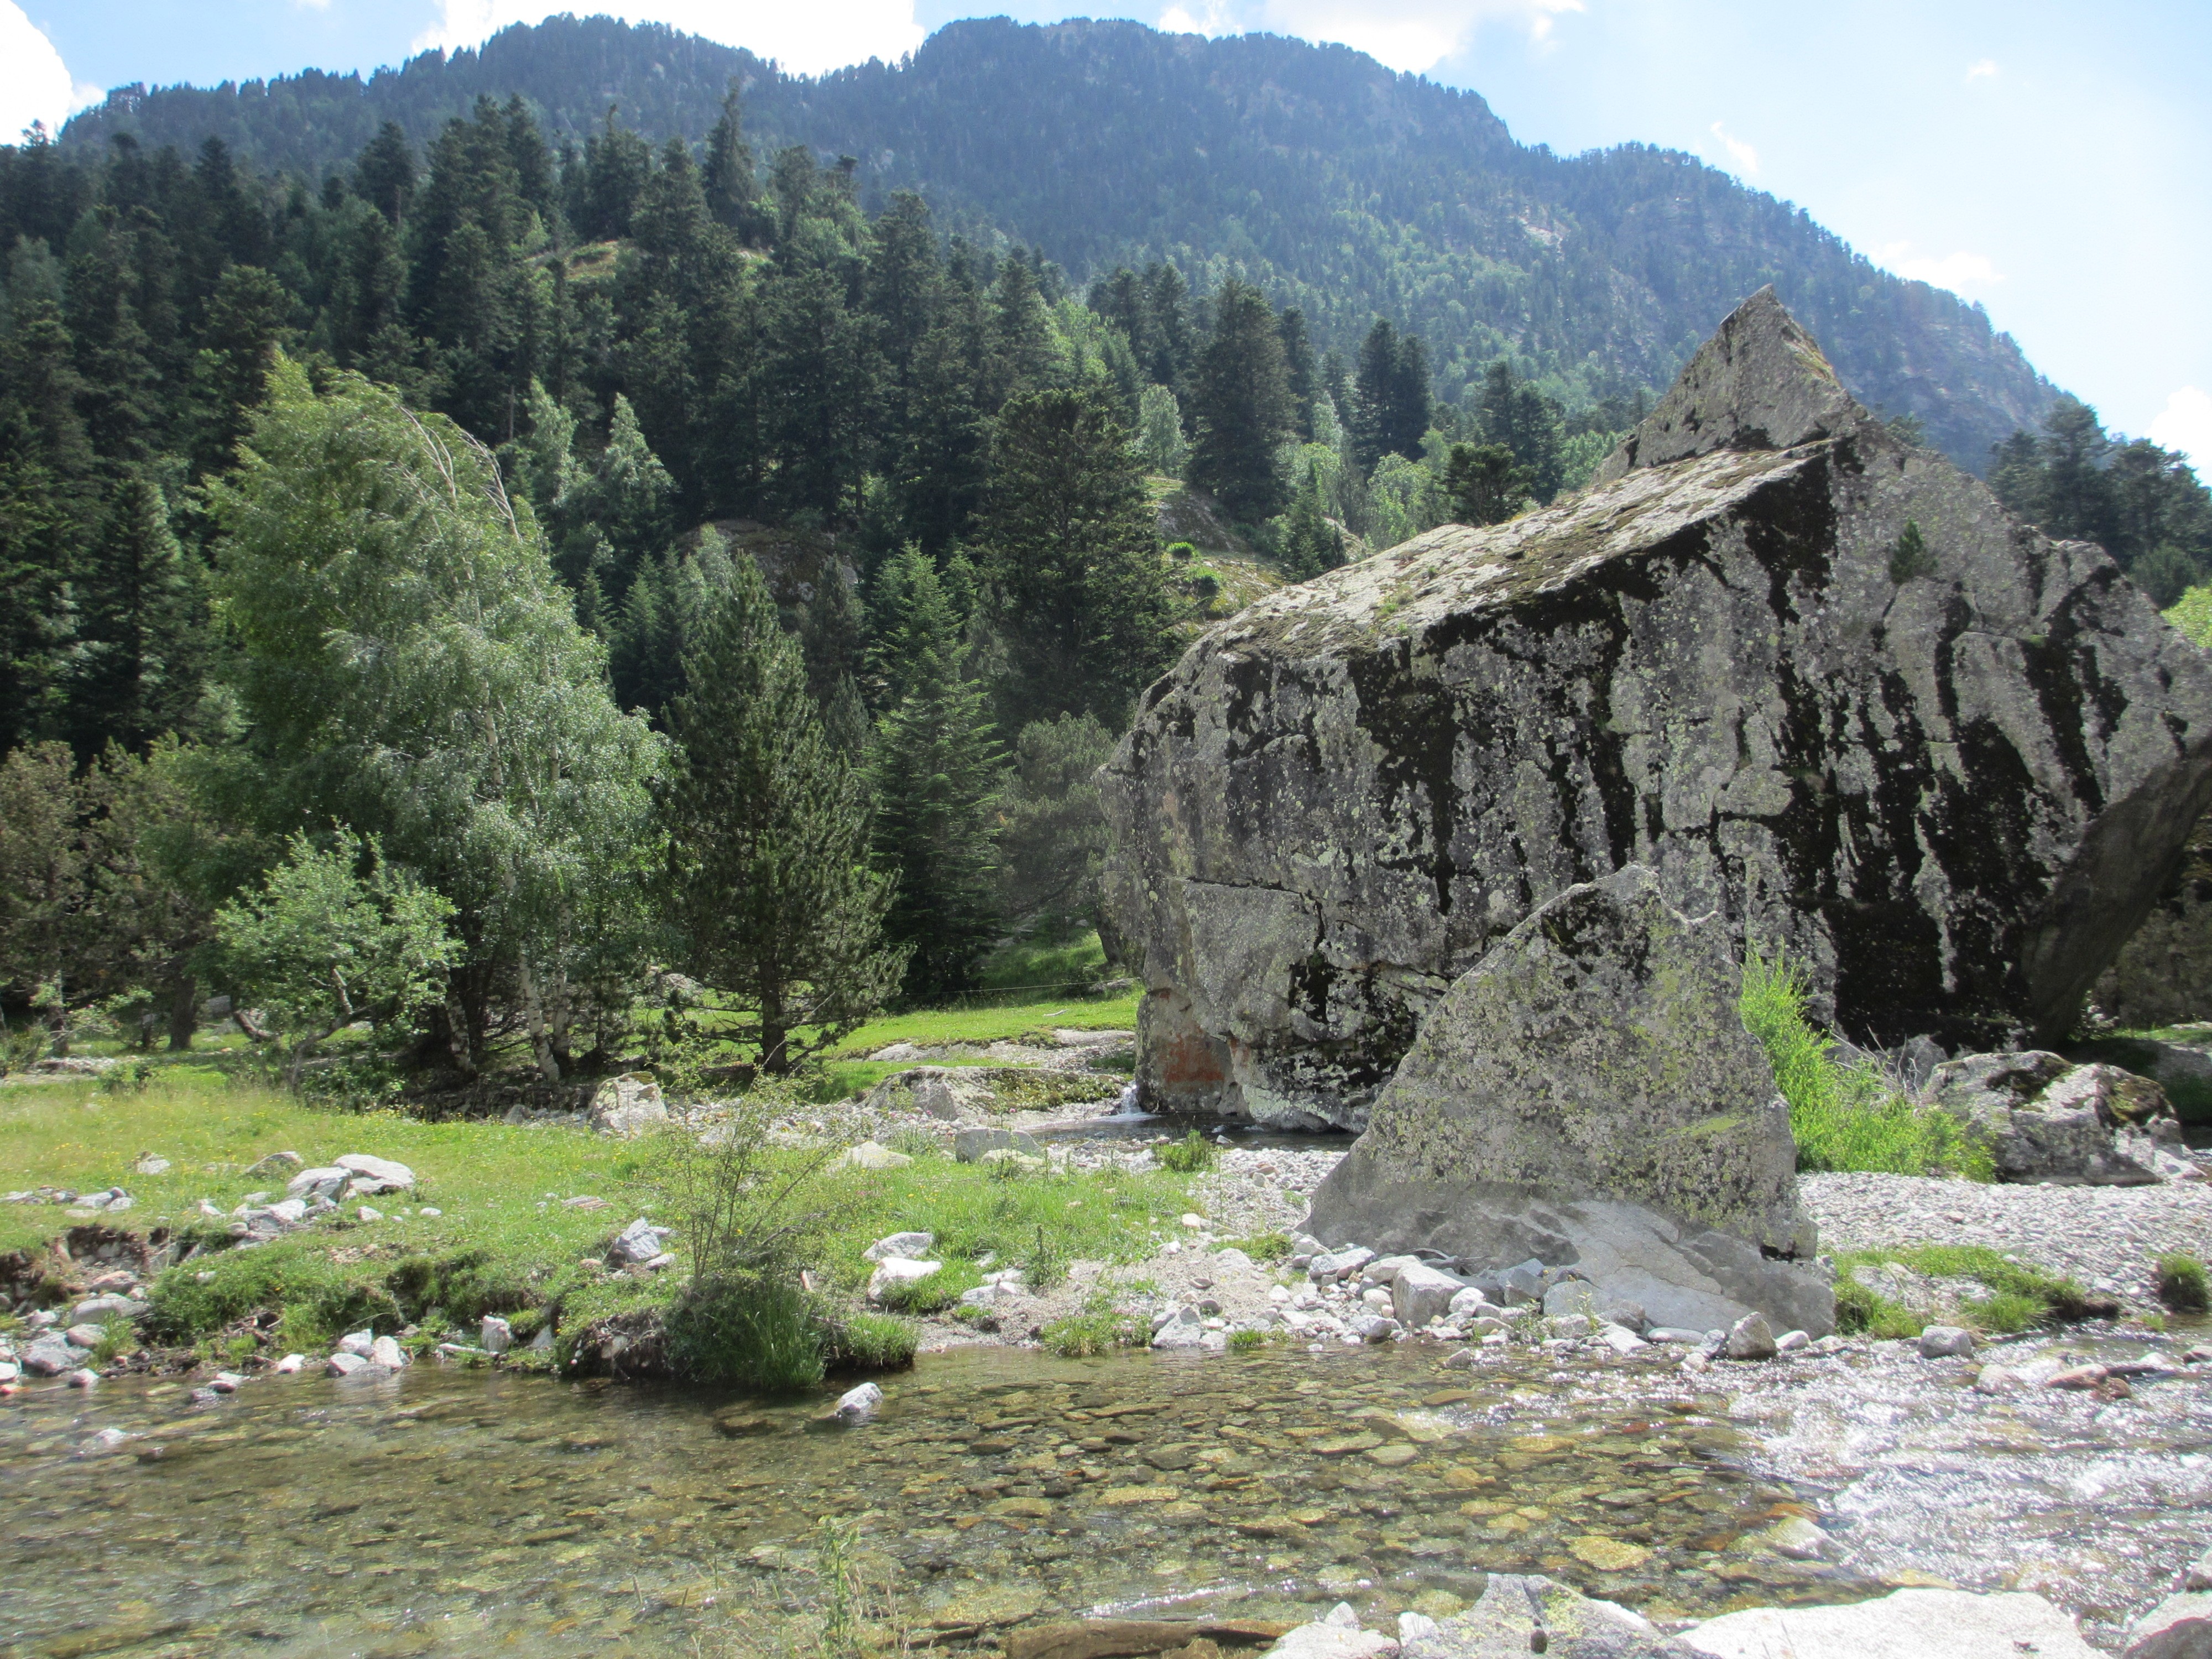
49 1357
498 1336
1750 1338
1588 1094
1946 1342
1817 679
1419 1293
359 1344
859 1405
1513 1608
1907 1623
2046 1119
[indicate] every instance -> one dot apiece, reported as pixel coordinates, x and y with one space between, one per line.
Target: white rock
858 1405
2179 1627
898 1270
498 1336
1468 1302
1791 1341
1414 1626
386 1352
1907 1623
367 1214
150 1164
327 1179
357 1343
1335 1265
628 1105
1233 1259
82 1379
102 1441
291 1364
1419 1293
870 1155
1193 1221
290 1211
83 1336
637 1244
1750 1338
909 1246
1620 1339
429 1210
394 1176
355 1366
1374 1327
1183 1329
1327 1641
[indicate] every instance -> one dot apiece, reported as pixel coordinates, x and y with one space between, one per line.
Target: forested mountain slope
1333 184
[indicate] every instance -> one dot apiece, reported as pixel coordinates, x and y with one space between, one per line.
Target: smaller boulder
2047 1119
1183 1329
1333 1265
1946 1342
859 1405
870 1155
325 1181
637 1244
276 1163
627 1106
909 1246
498 1336
387 1176
2179 1627
1750 1338
357 1343
49 1357
969 1146
1419 1293
897 1270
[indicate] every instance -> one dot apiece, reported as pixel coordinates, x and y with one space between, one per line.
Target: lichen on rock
1948 787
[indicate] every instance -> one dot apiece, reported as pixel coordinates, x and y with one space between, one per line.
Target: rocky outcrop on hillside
1812 677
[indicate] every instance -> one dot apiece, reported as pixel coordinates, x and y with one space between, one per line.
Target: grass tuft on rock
2182 1285
1845 1118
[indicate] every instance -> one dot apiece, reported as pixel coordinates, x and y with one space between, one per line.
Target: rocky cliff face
1814 678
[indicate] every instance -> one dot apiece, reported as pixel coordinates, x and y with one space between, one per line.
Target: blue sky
2050 161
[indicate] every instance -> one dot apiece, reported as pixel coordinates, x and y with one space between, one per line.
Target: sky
2048 159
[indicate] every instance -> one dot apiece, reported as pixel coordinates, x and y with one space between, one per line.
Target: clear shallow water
466 1512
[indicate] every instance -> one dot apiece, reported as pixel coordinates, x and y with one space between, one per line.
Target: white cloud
1407 35
1984 69
2185 424
1742 154
34 82
1956 272
805 40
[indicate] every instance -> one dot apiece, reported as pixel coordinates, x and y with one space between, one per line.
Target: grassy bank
508 1236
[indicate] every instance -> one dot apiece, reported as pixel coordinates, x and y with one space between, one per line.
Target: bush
464 1286
1845 1118
1243 1341
1262 1247
2181 1283
319 1301
761 1335
1098 1328
1188 1156
869 1342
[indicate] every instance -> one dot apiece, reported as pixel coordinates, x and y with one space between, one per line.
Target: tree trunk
184 1013
775 1035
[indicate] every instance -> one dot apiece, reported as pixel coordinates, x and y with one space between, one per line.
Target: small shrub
319 1300
1909 557
1097 1327
1243 1341
1188 1156
1044 1264
1845 1118
1863 1312
131 1078
869 1342
758 1334
2182 1285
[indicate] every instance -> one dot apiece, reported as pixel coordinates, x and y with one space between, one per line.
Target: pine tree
768 890
1485 484
1240 406
1515 414
1311 544
1070 560
732 192
1300 372
1390 402
141 630
384 173
936 766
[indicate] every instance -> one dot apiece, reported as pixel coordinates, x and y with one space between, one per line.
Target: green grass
1062 962
1096 1328
504 1242
1188 1156
2181 1283
1845 1118
929 1026
2019 1298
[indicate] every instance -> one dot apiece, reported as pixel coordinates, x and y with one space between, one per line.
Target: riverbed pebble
1946 1342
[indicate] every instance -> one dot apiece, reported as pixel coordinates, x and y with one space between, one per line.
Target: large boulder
2046 1119
1587 1096
1817 679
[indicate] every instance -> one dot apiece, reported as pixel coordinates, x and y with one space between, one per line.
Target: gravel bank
2106 1237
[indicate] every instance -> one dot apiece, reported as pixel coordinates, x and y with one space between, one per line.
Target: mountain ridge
1342 188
